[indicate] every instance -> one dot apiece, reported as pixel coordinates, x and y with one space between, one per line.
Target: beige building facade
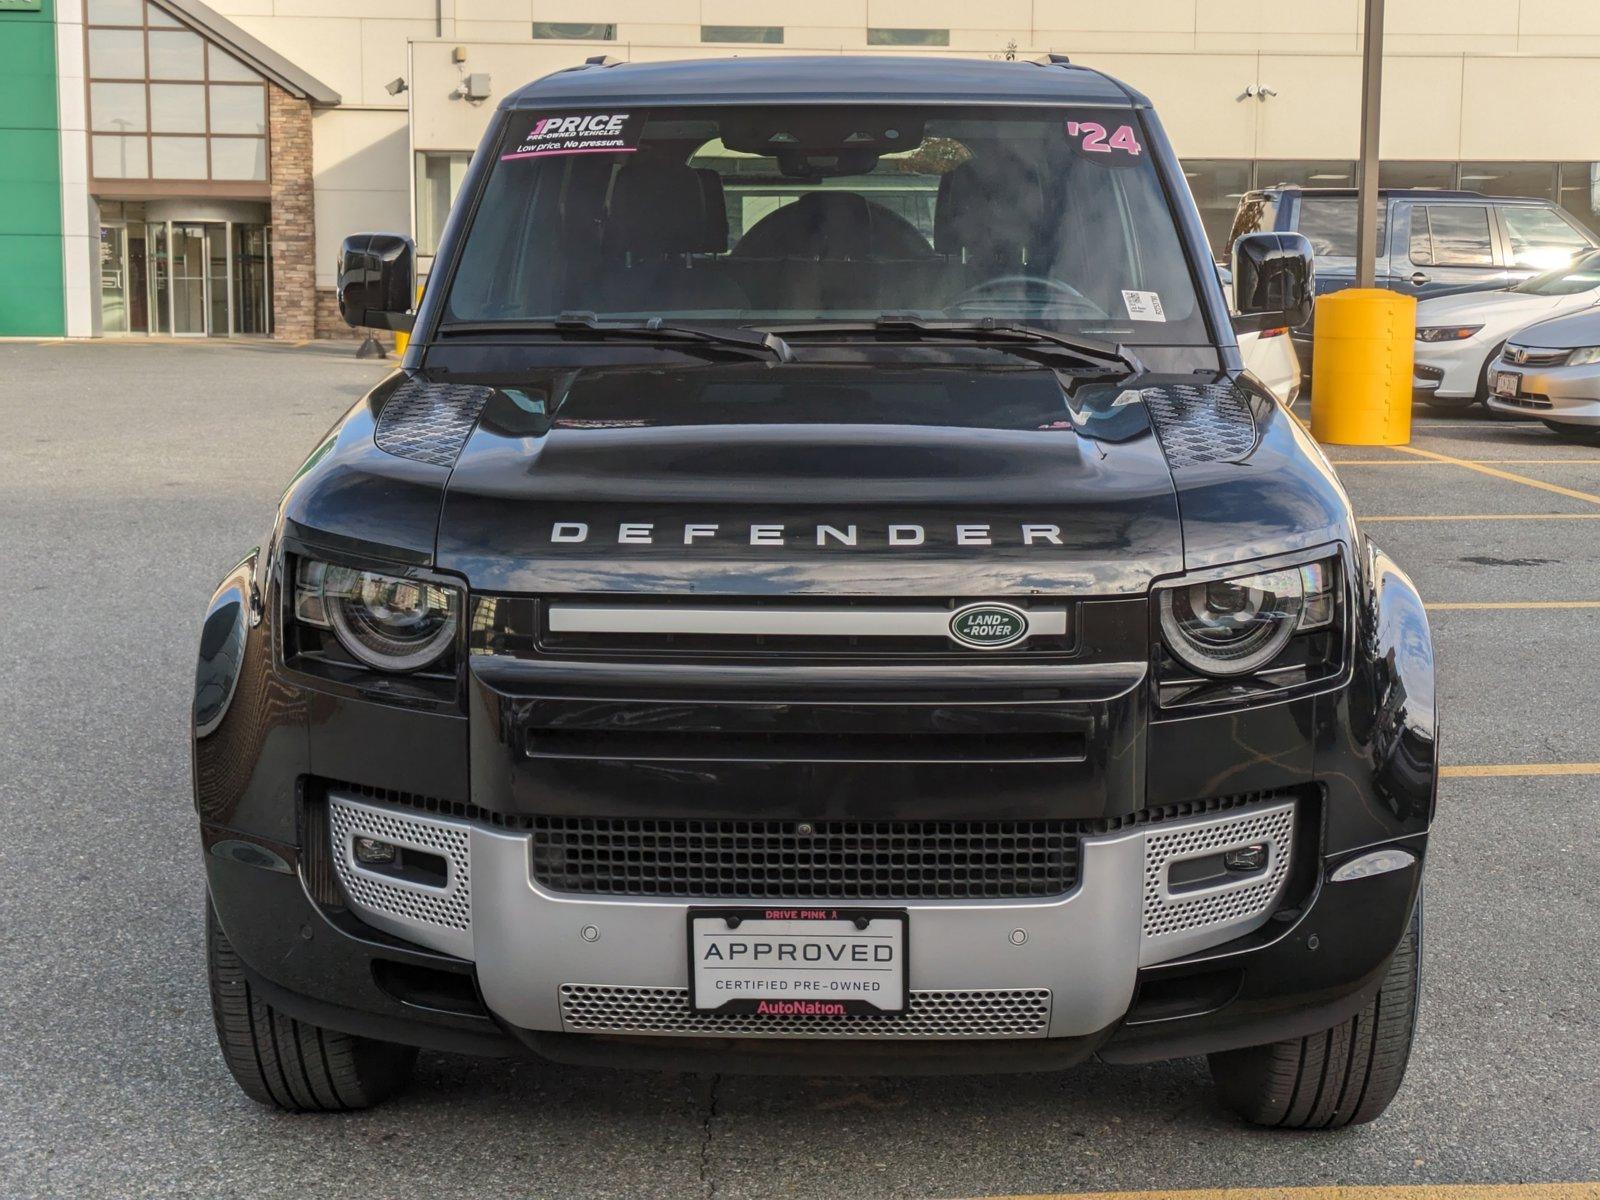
1494 95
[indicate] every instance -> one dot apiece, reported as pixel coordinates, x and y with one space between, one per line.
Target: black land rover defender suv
819 595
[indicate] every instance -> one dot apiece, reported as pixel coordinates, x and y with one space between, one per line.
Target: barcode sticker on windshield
1144 306
579 133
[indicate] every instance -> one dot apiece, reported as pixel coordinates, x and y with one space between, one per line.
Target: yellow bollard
1361 368
402 339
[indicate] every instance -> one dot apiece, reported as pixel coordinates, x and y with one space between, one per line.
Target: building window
1580 192
575 31
1438 175
163 104
1510 179
770 35
1218 185
1306 173
439 178
908 37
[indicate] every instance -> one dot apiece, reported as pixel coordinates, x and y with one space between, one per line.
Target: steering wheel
1000 284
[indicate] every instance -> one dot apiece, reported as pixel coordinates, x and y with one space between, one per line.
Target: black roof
832 78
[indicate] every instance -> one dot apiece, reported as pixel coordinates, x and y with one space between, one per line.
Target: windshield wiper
1114 356
756 342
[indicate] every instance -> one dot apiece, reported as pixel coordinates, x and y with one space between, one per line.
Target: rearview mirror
377 280
1273 280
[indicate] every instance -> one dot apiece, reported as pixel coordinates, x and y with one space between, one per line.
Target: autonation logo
800 1008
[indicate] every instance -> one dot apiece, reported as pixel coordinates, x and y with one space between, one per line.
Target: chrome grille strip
775 621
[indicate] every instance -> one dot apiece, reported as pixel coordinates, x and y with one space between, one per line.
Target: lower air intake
1179 920
440 917
1015 1013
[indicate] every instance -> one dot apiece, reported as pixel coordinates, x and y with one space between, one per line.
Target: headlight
1236 626
1584 356
385 621
1446 333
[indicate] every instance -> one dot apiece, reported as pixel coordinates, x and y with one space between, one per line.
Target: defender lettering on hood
645 533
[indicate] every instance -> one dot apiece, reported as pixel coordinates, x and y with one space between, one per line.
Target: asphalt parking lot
135 475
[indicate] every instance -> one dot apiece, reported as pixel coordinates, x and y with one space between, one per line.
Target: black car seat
990 214
662 215
833 225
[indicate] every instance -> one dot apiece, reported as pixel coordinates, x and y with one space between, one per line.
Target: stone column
294 234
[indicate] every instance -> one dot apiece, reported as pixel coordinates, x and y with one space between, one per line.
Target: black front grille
835 860
1526 400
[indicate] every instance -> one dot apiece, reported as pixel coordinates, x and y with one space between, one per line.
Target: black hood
816 480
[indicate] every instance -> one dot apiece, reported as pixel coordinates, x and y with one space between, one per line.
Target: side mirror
1273 280
377 280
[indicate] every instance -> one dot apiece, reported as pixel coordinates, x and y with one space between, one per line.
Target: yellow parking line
1422 1191
1451 462
1491 605
1419 1191
1483 469
1502 770
1483 517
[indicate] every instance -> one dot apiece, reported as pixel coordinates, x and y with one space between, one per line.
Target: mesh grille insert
839 860
1202 423
1167 914
448 907
1011 1013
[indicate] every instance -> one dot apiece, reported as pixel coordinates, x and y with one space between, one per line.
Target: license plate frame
808 1002
1508 384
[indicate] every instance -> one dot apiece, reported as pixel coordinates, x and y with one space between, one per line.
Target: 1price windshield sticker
579 133
1099 138
1144 306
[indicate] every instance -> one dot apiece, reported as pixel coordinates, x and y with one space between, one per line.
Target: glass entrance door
195 279
251 302
159 275
191 280
218 322
114 287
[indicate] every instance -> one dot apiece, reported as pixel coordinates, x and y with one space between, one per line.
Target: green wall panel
32 303
31 291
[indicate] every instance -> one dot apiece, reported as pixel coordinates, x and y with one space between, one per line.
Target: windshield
1581 275
783 214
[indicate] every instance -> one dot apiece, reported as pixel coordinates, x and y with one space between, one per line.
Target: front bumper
986 968
1307 968
1449 373
1566 395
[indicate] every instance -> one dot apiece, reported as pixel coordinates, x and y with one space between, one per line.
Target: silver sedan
1552 371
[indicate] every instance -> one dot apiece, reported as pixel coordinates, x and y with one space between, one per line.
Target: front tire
1342 1076
290 1064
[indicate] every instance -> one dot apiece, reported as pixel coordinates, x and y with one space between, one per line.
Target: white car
1460 335
1271 358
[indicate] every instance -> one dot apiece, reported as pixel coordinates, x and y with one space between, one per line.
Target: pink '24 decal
1092 138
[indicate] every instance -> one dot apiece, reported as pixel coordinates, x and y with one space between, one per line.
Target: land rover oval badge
988 626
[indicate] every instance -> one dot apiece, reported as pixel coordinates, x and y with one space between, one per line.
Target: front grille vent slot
801 746
1011 1013
839 860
